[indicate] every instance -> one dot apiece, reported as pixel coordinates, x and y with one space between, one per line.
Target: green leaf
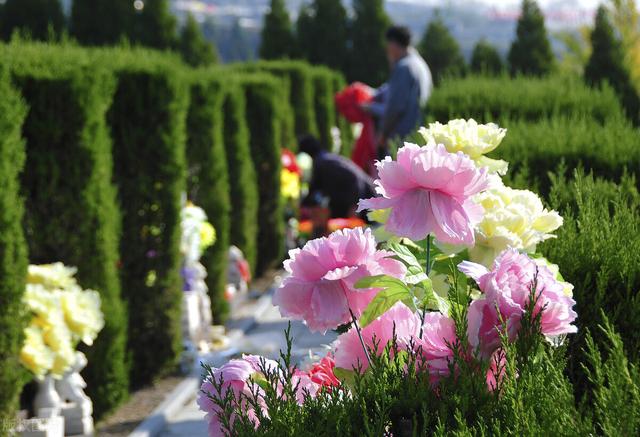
348 377
384 300
379 281
404 254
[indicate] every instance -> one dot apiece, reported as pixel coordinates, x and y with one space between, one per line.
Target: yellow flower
35 355
51 276
207 235
470 138
289 184
512 218
82 313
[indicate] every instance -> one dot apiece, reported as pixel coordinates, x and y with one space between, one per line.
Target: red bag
347 102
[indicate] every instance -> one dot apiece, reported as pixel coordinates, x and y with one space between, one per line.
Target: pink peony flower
507 292
235 376
320 289
322 372
304 386
429 191
349 352
497 369
439 332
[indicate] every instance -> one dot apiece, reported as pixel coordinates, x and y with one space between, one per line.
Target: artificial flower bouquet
62 316
453 317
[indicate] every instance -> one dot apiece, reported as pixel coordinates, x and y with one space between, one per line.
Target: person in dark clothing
335 180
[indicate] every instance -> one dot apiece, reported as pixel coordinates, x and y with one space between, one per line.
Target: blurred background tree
194 48
606 64
322 31
441 51
368 60
485 59
154 25
101 22
530 52
278 40
37 19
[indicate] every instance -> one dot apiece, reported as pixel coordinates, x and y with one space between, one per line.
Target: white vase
47 396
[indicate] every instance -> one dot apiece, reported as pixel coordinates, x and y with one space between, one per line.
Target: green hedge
71 212
147 120
13 253
535 149
263 106
597 251
243 188
324 104
208 179
300 77
487 99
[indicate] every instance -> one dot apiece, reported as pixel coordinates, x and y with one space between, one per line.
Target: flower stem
427 269
364 347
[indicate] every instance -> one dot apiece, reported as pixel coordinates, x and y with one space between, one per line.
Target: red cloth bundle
348 102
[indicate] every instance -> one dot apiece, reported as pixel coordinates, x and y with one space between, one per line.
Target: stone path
265 338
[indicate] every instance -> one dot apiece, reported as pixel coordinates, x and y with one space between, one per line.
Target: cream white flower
512 218
82 313
55 275
35 355
197 233
470 138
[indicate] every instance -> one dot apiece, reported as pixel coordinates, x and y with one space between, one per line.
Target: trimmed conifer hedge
263 106
535 149
71 212
243 188
300 77
148 119
13 253
488 99
208 179
324 104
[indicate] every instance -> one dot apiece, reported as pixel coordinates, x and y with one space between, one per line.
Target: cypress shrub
300 76
147 120
243 188
71 212
535 149
489 99
13 253
208 180
596 250
262 108
324 105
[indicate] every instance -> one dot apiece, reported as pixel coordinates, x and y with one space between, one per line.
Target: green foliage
101 22
38 19
13 253
324 104
367 58
277 39
531 397
533 150
208 179
147 120
441 51
262 111
71 212
485 59
299 76
491 99
155 26
606 63
322 31
530 52
243 188
596 252
194 48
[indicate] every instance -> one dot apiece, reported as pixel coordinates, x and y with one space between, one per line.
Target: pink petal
411 217
328 307
452 222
